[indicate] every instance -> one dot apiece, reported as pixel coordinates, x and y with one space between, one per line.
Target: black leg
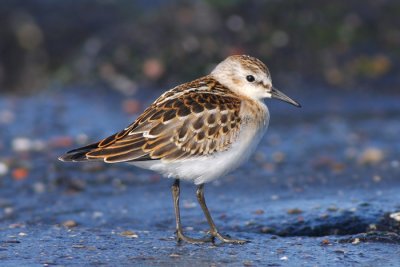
213 229
179 233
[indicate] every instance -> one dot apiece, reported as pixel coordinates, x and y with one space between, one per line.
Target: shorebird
197 131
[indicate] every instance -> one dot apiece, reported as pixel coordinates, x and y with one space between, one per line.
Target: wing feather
194 119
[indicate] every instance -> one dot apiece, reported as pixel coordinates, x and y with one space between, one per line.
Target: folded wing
194 123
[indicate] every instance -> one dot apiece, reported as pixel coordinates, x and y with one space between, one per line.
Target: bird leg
213 229
179 233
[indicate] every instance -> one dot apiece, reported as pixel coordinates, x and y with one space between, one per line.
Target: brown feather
161 133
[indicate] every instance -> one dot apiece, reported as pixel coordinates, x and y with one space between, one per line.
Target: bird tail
79 154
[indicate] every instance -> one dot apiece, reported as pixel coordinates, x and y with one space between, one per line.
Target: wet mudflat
322 188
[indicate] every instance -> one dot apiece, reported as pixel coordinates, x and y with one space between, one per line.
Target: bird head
250 77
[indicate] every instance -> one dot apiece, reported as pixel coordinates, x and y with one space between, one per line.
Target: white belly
207 168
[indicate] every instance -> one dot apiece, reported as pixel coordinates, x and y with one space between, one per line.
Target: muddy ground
321 190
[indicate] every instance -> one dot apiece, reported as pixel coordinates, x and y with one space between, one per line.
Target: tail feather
79 154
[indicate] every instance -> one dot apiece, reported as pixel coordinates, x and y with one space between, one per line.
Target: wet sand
322 188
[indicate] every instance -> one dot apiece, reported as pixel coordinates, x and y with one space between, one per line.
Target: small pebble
377 178
267 230
274 197
8 210
39 187
356 241
153 68
354 209
371 156
332 208
78 246
129 234
325 242
3 168
294 211
284 258
395 216
21 144
70 223
20 173
247 263
259 212
174 255
97 214
248 223
324 216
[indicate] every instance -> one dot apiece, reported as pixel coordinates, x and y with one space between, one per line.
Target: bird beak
275 93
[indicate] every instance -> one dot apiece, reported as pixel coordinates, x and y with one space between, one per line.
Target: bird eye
250 78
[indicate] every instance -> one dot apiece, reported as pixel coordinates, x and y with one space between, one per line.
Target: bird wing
198 121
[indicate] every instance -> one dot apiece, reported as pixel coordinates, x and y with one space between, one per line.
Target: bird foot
213 235
228 239
181 237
